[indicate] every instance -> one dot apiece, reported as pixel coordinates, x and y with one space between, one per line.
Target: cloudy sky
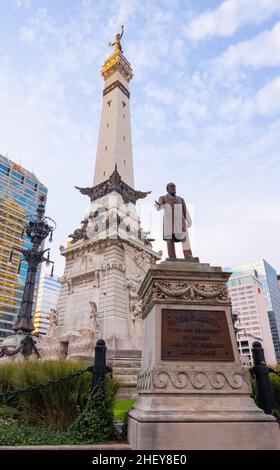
205 110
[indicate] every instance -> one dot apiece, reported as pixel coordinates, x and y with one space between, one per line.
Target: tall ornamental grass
54 407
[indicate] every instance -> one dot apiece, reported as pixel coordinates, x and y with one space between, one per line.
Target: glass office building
46 300
268 277
19 197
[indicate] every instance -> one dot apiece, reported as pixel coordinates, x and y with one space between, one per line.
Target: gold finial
117 43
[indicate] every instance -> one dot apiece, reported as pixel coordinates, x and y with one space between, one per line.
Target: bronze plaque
195 335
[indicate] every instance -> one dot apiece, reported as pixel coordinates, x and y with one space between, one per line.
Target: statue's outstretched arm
159 203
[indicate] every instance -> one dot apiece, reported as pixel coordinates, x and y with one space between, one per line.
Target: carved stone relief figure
53 323
94 319
135 303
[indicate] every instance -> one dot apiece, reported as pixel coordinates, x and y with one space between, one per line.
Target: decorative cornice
88 246
189 291
186 292
176 381
114 183
117 62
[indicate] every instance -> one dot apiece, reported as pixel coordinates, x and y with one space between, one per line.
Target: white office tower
248 303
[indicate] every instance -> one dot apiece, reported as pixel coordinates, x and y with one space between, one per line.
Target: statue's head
171 188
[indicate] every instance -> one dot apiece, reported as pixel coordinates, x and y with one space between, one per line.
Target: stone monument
193 391
109 255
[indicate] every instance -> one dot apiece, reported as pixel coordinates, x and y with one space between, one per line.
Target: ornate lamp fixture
37 229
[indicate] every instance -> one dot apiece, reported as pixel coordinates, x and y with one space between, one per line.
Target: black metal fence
260 372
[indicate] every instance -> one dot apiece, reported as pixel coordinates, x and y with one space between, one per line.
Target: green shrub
53 407
275 382
18 434
124 431
95 422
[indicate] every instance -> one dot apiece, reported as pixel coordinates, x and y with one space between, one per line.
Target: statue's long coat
175 217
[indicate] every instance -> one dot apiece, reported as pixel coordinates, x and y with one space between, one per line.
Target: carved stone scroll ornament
191 380
191 291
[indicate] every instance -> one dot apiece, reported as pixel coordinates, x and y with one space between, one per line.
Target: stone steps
126 367
125 370
126 363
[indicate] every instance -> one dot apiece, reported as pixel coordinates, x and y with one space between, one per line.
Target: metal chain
276 372
62 379
272 371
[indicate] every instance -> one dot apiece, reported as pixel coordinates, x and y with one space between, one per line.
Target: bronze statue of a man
176 221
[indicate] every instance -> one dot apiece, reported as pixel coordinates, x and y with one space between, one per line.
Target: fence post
99 368
263 386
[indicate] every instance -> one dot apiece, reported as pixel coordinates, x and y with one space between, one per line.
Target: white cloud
261 50
27 34
267 100
163 95
23 4
124 10
230 16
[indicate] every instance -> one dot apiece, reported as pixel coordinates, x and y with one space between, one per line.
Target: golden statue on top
117 43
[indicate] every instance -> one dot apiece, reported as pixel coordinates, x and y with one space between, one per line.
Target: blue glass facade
19 195
268 277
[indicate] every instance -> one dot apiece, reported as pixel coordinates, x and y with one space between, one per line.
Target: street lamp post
37 230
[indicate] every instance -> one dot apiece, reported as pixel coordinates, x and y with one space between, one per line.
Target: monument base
168 435
193 393
201 422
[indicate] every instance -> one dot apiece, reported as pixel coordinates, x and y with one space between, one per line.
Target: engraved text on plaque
195 335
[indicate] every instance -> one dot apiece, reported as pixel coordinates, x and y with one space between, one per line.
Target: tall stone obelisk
114 144
109 254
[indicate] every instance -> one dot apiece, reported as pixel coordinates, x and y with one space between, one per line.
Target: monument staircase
126 367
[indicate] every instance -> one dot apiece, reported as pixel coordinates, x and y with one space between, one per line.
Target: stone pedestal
193 391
